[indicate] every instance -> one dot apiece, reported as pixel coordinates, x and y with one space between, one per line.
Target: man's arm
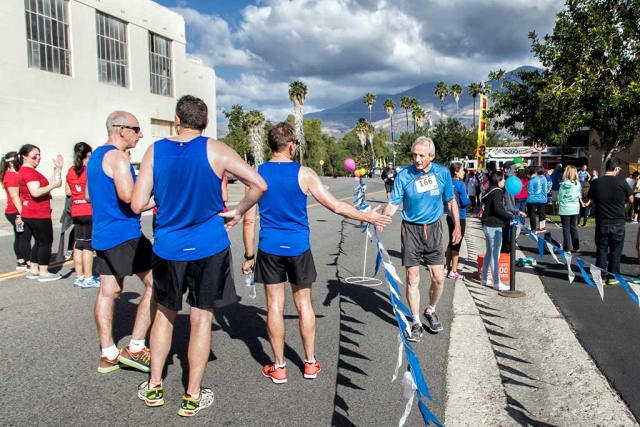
122 178
143 187
248 238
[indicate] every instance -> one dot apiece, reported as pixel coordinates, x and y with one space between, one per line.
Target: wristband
249 258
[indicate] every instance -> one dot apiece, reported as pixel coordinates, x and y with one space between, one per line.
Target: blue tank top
113 220
583 175
284 225
188 194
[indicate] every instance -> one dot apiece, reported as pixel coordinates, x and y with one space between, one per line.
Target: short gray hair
114 120
422 139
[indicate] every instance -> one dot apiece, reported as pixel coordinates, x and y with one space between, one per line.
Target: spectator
537 198
594 175
460 194
521 198
10 182
585 203
609 195
636 202
631 180
556 179
569 201
583 175
472 185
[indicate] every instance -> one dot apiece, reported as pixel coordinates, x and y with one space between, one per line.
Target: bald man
121 248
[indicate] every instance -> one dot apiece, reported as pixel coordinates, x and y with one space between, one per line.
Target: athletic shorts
554 195
388 187
421 242
126 259
208 281
273 269
451 226
83 226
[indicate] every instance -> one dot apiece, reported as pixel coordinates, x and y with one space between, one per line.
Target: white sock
110 352
195 396
136 345
416 318
430 309
310 361
280 366
150 385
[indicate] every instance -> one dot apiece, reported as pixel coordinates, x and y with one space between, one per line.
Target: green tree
255 124
361 129
456 91
474 89
389 106
369 99
442 90
405 103
418 116
453 139
298 96
414 105
237 138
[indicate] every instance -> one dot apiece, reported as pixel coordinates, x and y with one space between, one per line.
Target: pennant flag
581 264
568 257
625 286
533 236
636 289
389 268
596 273
409 391
427 415
396 303
399 362
541 244
378 262
403 323
416 371
550 248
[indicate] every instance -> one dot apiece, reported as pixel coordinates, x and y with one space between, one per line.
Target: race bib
426 183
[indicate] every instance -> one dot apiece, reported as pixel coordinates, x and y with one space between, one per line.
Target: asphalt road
50 351
608 329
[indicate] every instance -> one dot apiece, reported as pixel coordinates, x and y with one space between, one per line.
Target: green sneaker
151 396
140 360
190 406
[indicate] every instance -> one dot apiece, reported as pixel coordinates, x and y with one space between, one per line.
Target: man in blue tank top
423 188
284 251
121 248
191 251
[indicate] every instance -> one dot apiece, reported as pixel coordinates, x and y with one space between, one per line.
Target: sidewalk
516 361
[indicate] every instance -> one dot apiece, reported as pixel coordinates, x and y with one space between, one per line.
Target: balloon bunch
350 165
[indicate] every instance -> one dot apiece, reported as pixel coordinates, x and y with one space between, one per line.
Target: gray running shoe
31 275
416 333
433 322
49 278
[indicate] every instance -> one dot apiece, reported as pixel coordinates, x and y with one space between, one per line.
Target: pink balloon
356 178
350 164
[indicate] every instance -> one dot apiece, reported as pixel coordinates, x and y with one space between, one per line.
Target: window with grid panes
48 46
160 65
113 64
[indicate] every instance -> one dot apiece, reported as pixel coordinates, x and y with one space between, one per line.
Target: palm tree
456 90
418 115
405 103
298 95
369 99
390 105
362 127
414 104
487 88
370 132
442 90
474 89
255 123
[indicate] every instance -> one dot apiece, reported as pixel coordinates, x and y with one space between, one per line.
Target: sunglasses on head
136 129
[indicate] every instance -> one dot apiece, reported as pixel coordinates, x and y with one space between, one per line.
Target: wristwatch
249 258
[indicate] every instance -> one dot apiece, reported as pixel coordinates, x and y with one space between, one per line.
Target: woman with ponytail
9 178
35 193
81 213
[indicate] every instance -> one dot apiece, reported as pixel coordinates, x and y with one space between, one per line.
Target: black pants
21 241
532 209
584 214
609 241
42 231
570 233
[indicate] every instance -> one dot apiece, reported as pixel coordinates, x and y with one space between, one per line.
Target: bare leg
275 320
455 257
199 347
437 284
160 341
77 262
110 290
448 261
87 262
302 300
146 308
413 289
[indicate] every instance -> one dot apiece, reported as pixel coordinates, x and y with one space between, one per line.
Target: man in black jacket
389 177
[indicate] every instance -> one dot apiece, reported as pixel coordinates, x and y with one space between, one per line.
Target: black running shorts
451 226
126 259
83 227
273 269
421 242
209 281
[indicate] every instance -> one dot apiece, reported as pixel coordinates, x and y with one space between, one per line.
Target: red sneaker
311 369
277 375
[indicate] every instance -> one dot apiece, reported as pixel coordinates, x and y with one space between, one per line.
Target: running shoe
311 369
31 275
433 322
108 365
277 375
501 287
68 255
152 396
191 406
90 283
416 333
21 265
140 360
455 275
611 282
634 222
49 278
78 281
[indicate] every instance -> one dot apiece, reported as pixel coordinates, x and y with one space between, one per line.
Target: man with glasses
284 249
609 195
388 177
423 188
121 248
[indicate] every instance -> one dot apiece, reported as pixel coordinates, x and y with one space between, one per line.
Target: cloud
344 48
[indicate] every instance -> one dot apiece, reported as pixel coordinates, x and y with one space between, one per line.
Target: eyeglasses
136 129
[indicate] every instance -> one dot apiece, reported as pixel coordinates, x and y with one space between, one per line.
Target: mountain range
341 119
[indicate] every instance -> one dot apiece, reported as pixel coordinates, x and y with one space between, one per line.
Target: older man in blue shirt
423 188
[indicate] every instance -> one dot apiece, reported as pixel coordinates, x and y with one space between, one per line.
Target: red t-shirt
523 193
77 184
39 207
10 180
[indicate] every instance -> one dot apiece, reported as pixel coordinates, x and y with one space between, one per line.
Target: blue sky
342 49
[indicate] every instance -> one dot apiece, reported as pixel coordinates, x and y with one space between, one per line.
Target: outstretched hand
231 218
58 161
380 221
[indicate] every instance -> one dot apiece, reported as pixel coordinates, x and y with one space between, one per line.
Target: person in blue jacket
460 194
537 199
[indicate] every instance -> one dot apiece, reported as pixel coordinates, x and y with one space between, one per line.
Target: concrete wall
55 111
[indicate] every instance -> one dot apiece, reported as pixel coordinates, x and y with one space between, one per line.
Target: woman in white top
472 182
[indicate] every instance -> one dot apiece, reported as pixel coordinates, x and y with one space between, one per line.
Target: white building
66 64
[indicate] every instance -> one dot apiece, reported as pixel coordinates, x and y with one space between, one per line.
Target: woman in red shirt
81 213
35 193
9 178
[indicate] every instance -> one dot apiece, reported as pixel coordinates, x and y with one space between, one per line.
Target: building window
48 35
160 65
113 66
162 128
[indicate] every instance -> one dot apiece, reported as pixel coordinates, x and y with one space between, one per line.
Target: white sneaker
486 282
501 287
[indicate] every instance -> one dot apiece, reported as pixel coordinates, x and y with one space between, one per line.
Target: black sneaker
21 265
433 322
416 333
